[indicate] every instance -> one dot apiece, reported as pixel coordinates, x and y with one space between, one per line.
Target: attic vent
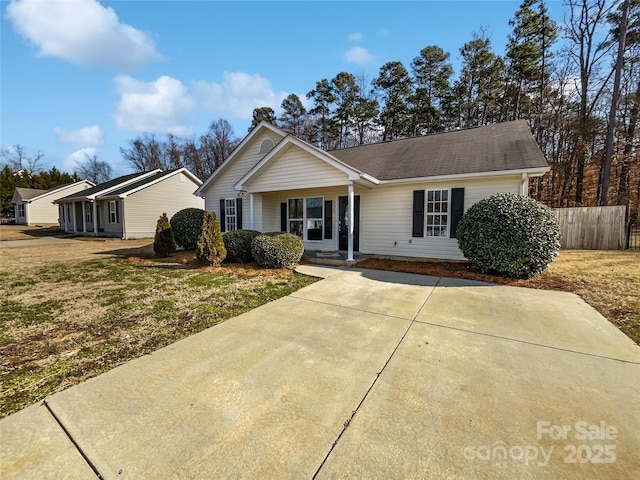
182 178
266 145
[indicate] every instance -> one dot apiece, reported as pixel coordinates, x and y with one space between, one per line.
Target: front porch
335 258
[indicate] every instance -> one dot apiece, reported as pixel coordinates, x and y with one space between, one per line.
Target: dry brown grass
607 280
23 232
69 312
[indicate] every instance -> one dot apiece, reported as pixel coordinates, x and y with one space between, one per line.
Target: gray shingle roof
140 183
102 186
505 146
29 193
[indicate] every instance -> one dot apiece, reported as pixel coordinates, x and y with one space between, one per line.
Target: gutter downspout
524 185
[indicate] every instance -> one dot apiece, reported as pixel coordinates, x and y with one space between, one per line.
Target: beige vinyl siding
386 217
222 185
143 208
295 167
44 211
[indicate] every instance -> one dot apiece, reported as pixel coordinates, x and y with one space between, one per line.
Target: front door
343 224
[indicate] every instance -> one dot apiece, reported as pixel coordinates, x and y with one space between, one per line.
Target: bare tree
93 169
216 145
145 153
17 158
589 46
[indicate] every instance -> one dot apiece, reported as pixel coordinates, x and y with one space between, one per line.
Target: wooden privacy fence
592 228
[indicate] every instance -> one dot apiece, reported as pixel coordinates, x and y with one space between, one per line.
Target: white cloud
87 136
82 32
238 94
355 37
383 32
161 106
70 163
358 55
166 105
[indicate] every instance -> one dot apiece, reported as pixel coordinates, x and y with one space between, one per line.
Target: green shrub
508 234
210 248
186 225
164 243
238 244
277 249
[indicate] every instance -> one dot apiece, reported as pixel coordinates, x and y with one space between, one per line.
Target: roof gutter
530 172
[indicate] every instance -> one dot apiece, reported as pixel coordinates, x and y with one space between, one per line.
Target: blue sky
82 76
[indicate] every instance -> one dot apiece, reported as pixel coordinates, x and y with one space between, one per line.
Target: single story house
33 206
398 198
129 206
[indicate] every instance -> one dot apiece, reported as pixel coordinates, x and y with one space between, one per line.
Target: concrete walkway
35 242
365 374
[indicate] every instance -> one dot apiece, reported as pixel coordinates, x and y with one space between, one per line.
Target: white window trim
22 211
447 213
88 213
304 218
113 212
228 217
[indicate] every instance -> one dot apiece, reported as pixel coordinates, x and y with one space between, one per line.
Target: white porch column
351 201
95 218
251 213
73 215
84 217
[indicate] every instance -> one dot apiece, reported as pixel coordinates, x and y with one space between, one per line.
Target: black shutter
457 209
283 217
239 213
328 219
418 213
117 212
221 218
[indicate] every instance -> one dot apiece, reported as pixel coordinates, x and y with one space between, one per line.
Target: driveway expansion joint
535 344
84 456
378 374
319 302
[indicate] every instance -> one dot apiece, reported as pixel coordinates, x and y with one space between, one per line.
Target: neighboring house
33 206
129 206
405 197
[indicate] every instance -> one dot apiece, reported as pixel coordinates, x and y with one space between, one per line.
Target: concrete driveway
365 374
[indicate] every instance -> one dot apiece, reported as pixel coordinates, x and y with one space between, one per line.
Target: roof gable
106 187
493 148
244 144
293 160
148 181
33 194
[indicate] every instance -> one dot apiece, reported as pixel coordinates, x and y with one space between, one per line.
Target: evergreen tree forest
577 84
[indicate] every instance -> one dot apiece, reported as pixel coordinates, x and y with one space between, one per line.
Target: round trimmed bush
238 243
186 225
510 235
277 249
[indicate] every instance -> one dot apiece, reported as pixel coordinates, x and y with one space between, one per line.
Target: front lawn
63 323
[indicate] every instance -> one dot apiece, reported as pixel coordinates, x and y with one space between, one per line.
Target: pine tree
528 57
210 248
393 85
481 82
325 126
431 73
164 244
293 117
261 114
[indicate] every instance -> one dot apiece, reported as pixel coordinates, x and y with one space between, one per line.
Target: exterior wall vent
266 145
